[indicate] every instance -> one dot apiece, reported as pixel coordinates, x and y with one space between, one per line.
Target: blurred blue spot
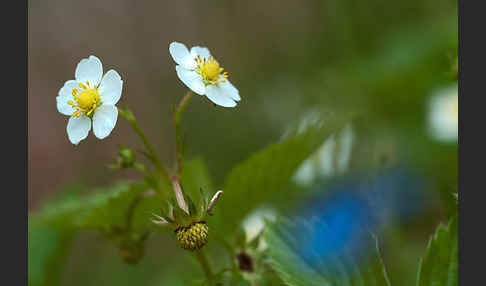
398 196
340 222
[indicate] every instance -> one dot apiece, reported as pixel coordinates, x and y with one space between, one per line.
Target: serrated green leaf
150 202
109 208
61 211
295 270
267 172
439 265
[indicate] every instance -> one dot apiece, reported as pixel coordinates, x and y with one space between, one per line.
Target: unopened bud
126 157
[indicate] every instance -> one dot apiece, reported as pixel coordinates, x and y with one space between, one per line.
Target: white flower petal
305 173
181 55
345 148
90 70
110 88
178 52
219 96
65 94
325 156
443 115
254 223
203 52
230 89
191 79
104 120
78 128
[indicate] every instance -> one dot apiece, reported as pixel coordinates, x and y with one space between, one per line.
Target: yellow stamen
82 86
210 70
86 101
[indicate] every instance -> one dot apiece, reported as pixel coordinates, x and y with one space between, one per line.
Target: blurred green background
381 59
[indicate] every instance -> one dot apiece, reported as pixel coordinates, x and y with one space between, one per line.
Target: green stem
128 115
201 257
227 246
141 168
177 121
182 106
130 212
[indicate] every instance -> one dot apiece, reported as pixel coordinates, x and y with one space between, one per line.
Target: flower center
87 99
210 70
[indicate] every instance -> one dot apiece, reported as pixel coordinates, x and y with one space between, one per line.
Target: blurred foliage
50 235
266 173
47 250
343 269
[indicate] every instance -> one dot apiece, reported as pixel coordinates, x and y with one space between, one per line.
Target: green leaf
105 209
227 278
123 213
150 202
50 234
266 173
439 265
61 211
108 208
295 270
48 247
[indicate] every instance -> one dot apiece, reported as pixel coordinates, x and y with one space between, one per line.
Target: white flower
200 72
331 159
91 97
254 224
443 114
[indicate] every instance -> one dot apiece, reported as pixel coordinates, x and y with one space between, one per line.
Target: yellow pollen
210 70
86 100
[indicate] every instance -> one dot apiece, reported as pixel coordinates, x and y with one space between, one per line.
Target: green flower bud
126 157
194 236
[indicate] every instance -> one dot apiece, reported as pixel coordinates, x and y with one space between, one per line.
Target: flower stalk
177 121
201 257
152 155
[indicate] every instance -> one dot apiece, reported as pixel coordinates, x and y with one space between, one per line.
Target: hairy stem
177 121
201 257
128 115
227 246
130 212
